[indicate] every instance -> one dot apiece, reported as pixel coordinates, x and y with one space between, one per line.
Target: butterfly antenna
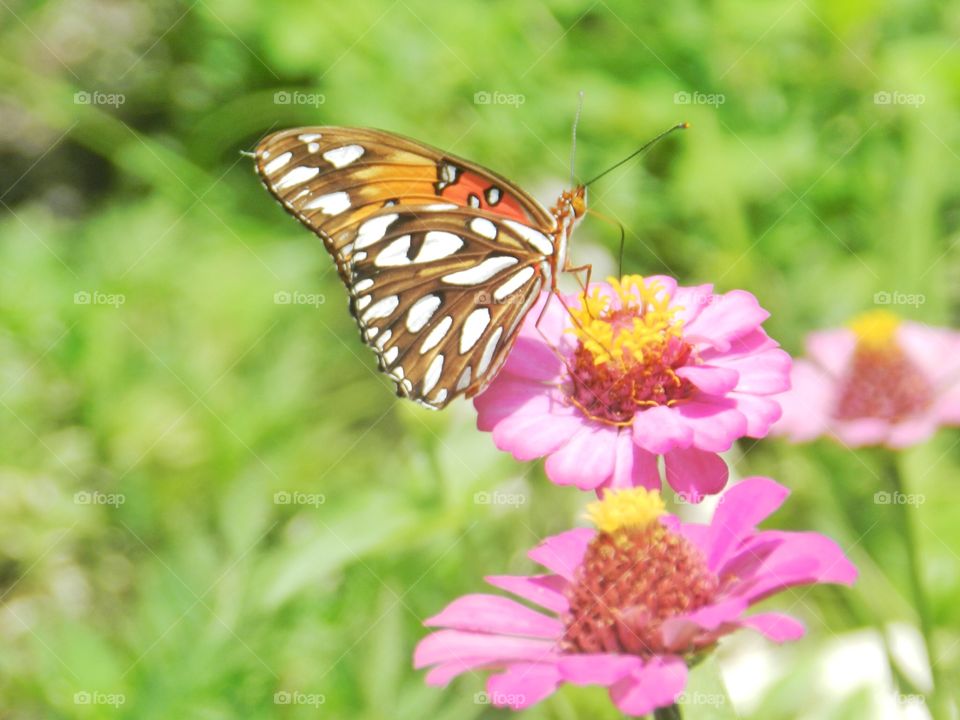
573 147
645 146
247 153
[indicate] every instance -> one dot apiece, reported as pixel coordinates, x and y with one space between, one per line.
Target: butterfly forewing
442 258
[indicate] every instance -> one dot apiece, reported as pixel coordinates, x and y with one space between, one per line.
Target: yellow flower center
634 508
627 352
876 328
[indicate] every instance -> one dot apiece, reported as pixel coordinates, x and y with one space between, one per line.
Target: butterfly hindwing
439 295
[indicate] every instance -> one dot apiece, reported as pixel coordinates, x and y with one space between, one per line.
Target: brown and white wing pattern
442 258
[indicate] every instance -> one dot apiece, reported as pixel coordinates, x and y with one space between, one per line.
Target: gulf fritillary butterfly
442 258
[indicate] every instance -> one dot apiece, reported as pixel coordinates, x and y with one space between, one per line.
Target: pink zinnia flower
632 604
882 381
639 369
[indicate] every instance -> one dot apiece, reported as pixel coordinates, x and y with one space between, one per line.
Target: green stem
905 511
668 713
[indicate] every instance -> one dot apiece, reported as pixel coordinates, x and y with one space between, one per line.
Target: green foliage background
199 397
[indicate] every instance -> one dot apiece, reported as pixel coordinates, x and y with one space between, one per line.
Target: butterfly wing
442 258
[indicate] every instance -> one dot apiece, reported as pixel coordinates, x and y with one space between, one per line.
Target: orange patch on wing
472 184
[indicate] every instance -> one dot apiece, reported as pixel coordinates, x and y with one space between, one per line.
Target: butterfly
442 258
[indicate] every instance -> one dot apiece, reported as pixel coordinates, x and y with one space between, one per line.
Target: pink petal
761 412
659 429
912 431
711 379
507 396
832 349
744 506
765 373
523 684
597 668
715 424
533 359
691 301
807 406
936 351
547 591
775 626
733 315
445 672
586 460
742 348
694 473
538 427
446 646
564 552
864 431
495 614
633 467
948 409
679 632
658 684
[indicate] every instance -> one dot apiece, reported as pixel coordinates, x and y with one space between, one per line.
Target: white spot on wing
517 281
381 308
313 147
278 162
482 226
489 351
296 176
394 254
473 328
330 204
441 206
363 285
464 380
421 311
362 302
536 238
341 156
438 244
439 397
390 355
433 374
384 339
309 137
373 230
481 272
436 335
